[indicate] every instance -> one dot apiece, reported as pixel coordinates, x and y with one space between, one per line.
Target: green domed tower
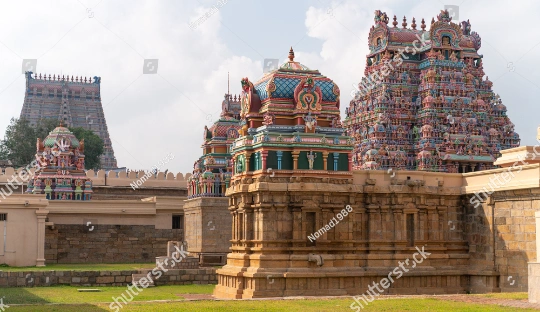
61 174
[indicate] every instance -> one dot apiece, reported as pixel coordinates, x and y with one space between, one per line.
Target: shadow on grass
18 295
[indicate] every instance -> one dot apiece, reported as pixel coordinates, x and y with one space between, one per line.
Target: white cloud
148 116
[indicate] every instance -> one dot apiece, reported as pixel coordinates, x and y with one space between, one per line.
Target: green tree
19 143
93 147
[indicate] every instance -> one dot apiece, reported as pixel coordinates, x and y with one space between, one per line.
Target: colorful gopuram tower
424 103
76 102
212 171
61 175
290 122
291 171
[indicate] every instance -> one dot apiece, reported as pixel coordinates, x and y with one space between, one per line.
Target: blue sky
150 116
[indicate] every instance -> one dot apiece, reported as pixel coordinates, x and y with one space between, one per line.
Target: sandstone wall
208 225
74 243
103 278
501 233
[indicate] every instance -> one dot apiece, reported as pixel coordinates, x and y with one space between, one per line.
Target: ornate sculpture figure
311 159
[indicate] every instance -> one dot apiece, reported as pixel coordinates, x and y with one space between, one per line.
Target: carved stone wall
391 219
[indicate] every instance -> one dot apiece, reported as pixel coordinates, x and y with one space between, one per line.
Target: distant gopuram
76 102
424 104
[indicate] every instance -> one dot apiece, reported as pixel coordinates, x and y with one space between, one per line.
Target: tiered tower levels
76 101
212 171
424 104
61 175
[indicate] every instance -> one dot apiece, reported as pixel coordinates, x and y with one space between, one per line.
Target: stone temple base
244 283
534 282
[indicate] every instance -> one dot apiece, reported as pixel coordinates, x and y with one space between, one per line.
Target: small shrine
212 171
290 121
61 175
425 103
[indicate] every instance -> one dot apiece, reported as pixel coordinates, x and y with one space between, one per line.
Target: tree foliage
19 143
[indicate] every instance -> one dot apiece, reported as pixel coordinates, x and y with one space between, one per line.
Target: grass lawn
69 294
66 298
511 296
83 267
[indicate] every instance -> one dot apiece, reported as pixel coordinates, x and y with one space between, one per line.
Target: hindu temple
76 101
291 171
423 103
213 170
291 121
61 175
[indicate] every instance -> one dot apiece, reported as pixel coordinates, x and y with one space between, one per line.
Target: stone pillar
264 154
325 160
247 156
534 268
41 215
279 155
295 155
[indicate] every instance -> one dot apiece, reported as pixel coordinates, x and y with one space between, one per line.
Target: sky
152 115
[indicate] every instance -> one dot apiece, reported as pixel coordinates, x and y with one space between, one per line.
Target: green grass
331 305
508 296
83 267
67 299
69 294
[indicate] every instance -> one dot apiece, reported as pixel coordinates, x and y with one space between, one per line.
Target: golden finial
291 55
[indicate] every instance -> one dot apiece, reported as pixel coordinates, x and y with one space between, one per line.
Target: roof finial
291 55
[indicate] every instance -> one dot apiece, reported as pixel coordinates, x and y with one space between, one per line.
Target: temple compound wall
500 206
112 231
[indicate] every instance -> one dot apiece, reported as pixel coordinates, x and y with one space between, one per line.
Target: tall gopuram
61 175
76 102
208 233
424 103
291 175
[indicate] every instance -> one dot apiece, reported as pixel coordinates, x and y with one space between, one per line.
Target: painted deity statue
311 159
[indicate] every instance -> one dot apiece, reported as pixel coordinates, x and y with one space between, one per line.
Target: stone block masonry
107 243
534 267
501 235
103 278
